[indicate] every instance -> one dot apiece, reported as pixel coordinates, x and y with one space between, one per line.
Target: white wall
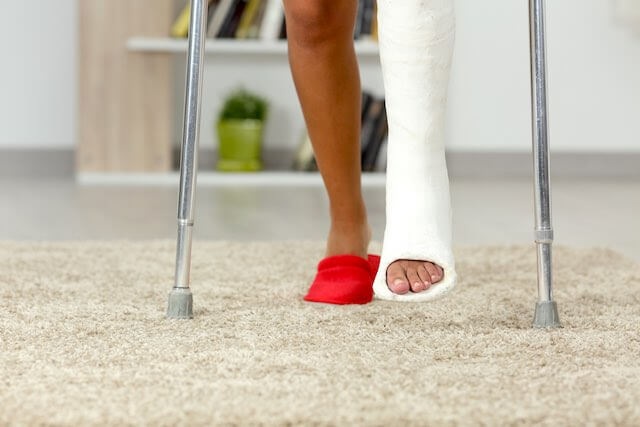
594 70
37 74
594 77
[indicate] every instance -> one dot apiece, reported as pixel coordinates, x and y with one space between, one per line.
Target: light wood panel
124 106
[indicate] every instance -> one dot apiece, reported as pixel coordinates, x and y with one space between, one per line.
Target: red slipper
344 279
374 262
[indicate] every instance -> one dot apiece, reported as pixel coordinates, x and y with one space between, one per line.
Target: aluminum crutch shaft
180 298
546 314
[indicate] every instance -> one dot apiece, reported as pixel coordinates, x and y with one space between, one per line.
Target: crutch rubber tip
180 304
546 315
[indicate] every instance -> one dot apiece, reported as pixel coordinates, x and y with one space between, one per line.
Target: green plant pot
240 143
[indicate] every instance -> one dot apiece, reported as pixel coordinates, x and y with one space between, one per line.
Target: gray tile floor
586 213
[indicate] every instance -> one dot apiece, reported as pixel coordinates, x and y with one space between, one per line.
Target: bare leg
325 72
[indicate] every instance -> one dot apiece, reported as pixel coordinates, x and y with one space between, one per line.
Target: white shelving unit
221 179
230 46
365 49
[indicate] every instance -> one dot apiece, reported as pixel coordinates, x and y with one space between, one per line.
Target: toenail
434 277
399 282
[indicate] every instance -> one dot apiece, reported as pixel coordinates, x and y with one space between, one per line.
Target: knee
315 22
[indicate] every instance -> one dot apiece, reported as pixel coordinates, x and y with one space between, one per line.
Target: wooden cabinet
124 98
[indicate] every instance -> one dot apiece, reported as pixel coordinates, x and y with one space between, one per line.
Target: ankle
349 238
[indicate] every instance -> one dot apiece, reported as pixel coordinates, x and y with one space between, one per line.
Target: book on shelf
373 137
372 133
357 29
368 17
210 12
221 9
254 27
304 158
374 22
381 162
271 25
180 27
377 136
261 20
248 14
366 100
232 20
283 29
365 20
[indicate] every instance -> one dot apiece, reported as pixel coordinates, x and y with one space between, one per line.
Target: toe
424 276
414 280
397 279
435 272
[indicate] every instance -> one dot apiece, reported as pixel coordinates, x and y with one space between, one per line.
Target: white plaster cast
416 44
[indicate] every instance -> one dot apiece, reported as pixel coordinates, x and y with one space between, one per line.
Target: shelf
230 46
221 179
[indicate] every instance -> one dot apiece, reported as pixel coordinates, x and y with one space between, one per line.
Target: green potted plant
240 127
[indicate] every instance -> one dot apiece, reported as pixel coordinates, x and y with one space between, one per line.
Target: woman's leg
416 45
325 72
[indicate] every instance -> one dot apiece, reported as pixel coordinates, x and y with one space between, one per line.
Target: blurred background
91 121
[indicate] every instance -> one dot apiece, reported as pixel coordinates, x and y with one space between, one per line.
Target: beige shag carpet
84 341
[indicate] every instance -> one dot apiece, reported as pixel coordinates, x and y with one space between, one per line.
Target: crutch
180 298
546 313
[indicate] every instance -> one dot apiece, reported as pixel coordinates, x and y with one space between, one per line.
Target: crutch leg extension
180 299
546 313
